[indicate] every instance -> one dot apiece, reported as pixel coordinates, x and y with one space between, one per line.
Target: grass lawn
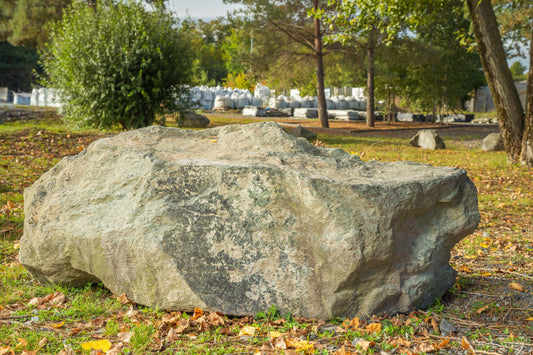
490 307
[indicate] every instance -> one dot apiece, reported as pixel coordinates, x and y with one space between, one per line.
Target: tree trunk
322 108
527 141
370 80
499 79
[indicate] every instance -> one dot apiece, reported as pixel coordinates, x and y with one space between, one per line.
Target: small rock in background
493 143
303 132
427 139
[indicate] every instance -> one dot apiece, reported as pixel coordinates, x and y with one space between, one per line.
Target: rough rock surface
239 218
300 131
427 139
493 143
191 119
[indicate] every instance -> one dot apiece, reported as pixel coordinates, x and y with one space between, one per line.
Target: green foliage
16 66
518 71
118 64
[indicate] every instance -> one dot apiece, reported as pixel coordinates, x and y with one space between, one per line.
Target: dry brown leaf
517 287
96 352
6 349
400 342
342 351
123 299
172 336
124 337
482 309
42 343
279 343
424 348
466 345
27 352
298 345
434 325
35 301
182 325
365 344
58 299
21 343
214 319
74 331
353 323
442 344
198 312
373 328
116 349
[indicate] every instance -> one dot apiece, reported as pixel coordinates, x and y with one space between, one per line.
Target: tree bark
322 108
370 80
504 92
527 141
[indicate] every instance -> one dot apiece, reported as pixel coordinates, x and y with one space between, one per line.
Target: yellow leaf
517 287
275 334
299 345
247 330
373 328
16 246
214 140
483 245
58 325
103 345
486 274
530 319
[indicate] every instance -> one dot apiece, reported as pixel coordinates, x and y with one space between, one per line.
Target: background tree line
420 51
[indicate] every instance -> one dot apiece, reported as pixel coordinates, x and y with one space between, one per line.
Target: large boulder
242 217
191 119
427 139
493 143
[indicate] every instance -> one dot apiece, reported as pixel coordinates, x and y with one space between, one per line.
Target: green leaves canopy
118 64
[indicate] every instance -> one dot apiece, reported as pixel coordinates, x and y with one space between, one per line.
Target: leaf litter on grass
487 311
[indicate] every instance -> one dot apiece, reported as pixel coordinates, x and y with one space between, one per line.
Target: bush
118 63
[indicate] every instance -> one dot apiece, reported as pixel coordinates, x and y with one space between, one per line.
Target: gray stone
427 139
493 143
191 119
242 217
446 328
300 131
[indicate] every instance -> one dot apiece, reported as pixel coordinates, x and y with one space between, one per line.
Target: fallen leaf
342 351
116 349
124 337
247 330
96 352
35 301
275 334
424 348
400 342
103 345
364 344
517 287
57 325
42 343
16 246
74 331
486 274
214 319
172 336
482 309
298 345
22 343
530 319
279 343
213 140
373 328
466 345
353 323
58 299
182 325
434 325
97 323
5 349
198 312
123 299
442 344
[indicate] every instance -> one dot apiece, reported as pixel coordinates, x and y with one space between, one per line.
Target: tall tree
292 18
511 116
